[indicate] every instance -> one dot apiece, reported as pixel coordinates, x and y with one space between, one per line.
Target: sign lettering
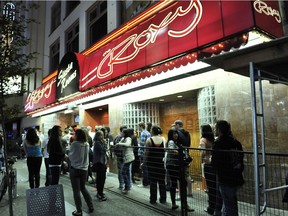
64 78
138 42
38 94
262 7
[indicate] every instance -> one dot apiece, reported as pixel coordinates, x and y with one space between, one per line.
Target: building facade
179 86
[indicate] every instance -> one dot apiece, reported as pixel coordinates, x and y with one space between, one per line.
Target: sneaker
125 191
101 198
209 211
189 209
75 213
142 186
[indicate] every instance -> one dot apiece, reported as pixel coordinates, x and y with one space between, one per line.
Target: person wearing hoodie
79 158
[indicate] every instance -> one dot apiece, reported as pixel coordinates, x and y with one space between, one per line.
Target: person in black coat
56 152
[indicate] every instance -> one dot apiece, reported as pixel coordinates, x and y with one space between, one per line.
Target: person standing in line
128 158
67 137
144 135
173 166
46 159
79 158
149 127
90 142
107 143
118 151
136 162
56 152
154 158
206 142
32 148
99 163
185 141
227 159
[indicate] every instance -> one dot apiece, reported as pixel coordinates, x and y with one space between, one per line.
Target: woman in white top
206 142
128 158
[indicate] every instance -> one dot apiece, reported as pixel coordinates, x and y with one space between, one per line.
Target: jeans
78 179
229 197
126 173
145 180
34 165
48 175
120 165
55 175
100 177
210 177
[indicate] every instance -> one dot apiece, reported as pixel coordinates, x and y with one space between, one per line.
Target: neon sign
38 94
262 7
63 80
137 42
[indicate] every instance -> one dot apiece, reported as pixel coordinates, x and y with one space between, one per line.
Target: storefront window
207 106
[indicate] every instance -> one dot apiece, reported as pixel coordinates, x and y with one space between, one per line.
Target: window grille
207 106
133 114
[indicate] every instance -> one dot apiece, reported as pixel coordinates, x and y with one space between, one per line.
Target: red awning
224 46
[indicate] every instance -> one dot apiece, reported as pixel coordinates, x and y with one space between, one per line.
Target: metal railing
277 167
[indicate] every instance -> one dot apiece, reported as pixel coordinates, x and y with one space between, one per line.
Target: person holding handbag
173 166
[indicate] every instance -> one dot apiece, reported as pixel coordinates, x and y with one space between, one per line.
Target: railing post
183 184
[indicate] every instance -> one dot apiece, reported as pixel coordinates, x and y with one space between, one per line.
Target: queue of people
158 159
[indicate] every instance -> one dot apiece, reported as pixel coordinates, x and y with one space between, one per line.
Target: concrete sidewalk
136 202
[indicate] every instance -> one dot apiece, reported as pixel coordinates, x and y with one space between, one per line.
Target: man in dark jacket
185 141
227 159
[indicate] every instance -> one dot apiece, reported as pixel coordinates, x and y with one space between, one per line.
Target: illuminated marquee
262 7
158 36
46 92
128 49
66 76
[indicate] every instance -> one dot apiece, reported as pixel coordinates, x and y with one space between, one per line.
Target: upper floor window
131 9
72 38
97 22
70 6
55 15
54 56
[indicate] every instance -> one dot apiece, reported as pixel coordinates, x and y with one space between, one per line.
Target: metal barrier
277 167
45 201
